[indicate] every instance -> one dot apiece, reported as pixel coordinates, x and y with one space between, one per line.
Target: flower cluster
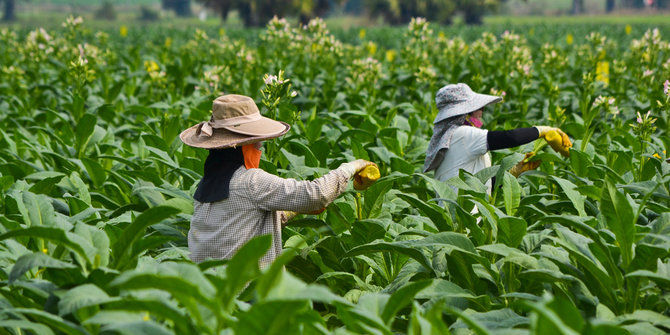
552 59
39 43
278 102
608 104
420 40
426 74
90 53
313 38
499 93
81 71
277 93
647 52
364 73
72 23
644 126
278 30
217 77
154 71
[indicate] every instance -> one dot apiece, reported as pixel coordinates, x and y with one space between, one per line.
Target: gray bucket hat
459 99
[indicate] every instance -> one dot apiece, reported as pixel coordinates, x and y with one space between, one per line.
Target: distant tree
474 10
259 12
148 14
609 5
401 12
9 10
181 7
308 9
252 12
663 4
577 7
106 11
632 3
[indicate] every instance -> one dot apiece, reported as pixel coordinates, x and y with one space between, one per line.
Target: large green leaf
511 230
37 328
122 249
38 259
442 221
429 322
503 319
81 296
620 218
575 197
243 267
511 193
661 277
401 298
136 327
273 317
83 132
53 321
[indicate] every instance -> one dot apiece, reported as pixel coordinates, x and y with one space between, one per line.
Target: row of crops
96 186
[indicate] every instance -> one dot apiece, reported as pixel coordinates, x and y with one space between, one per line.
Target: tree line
259 12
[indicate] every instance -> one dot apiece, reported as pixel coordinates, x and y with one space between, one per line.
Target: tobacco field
96 187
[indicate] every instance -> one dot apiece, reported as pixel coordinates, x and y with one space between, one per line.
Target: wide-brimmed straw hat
459 99
235 121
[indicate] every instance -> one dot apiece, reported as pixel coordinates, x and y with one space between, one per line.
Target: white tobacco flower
271 79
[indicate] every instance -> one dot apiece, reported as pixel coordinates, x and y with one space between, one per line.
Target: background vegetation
96 187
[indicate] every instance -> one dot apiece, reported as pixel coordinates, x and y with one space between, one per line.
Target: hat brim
477 102
262 127
223 138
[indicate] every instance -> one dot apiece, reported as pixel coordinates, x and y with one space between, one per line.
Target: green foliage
97 188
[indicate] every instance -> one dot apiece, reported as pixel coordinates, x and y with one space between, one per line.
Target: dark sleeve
502 139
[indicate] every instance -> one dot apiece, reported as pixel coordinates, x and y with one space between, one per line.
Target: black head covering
219 168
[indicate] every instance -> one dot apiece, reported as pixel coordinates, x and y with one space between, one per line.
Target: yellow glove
366 176
556 138
524 166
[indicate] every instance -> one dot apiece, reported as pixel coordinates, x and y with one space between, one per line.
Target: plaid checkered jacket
219 229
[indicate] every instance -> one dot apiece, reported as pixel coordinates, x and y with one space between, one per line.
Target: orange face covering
252 156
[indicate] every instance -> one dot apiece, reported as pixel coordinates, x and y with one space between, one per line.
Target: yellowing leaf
390 55
603 72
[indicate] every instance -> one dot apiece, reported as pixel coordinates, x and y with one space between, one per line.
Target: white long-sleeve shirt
467 151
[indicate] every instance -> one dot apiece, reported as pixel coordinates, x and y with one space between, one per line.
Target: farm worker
235 200
458 142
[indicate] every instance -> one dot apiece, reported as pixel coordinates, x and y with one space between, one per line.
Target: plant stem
359 206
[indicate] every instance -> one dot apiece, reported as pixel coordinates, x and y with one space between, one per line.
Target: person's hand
317 212
366 176
556 138
352 167
524 165
365 173
285 216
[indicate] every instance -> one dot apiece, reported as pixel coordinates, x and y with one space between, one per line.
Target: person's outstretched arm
273 193
503 139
